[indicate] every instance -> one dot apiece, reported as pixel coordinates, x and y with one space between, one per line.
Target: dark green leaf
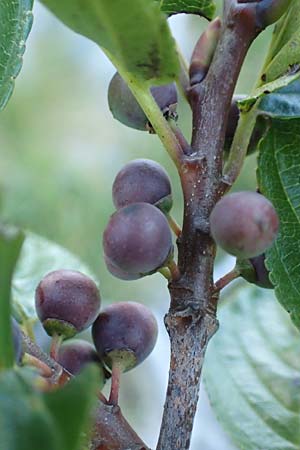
134 34
39 257
204 8
25 423
15 25
252 372
71 407
11 241
279 180
284 102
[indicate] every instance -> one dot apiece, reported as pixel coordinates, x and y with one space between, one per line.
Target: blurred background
60 150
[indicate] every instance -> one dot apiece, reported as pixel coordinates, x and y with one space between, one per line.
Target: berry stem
226 279
174 270
56 342
165 273
239 146
115 384
42 367
173 225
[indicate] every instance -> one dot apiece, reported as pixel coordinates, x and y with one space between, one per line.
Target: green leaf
11 241
284 102
246 104
134 34
278 179
25 422
15 25
252 372
204 8
71 407
284 53
39 257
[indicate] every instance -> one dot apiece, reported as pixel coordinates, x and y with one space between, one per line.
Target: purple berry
143 180
75 354
67 302
125 333
137 239
254 271
118 273
244 224
126 109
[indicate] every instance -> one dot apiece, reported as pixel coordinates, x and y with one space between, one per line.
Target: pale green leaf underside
279 180
134 34
15 25
246 104
38 257
284 53
283 103
252 373
204 8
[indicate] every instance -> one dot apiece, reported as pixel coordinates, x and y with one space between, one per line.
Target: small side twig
111 431
226 279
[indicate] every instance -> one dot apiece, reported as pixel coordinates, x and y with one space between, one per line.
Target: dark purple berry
17 341
142 180
255 271
75 354
118 273
67 302
244 224
126 109
125 333
269 11
137 239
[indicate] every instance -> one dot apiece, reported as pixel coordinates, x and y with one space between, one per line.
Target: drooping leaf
284 53
134 34
284 102
71 407
11 241
15 25
25 422
252 372
39 257
204 8
279 180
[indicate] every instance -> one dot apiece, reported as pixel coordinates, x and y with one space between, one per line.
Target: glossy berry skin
75 354
67 302
142 180
244 224
126 109
118 273
17 341
126 332
137 239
